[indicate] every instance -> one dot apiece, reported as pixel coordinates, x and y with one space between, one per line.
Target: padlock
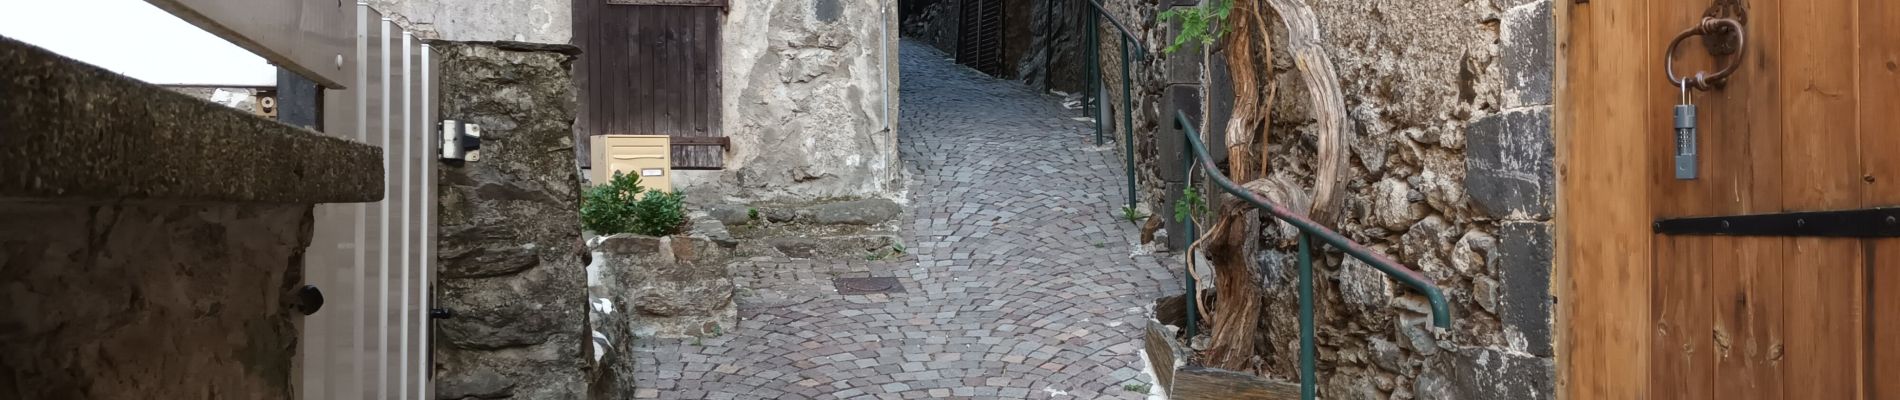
1685 137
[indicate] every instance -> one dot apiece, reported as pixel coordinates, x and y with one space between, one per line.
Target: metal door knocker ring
1710 27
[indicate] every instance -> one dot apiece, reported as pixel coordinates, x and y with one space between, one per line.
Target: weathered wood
1164 354
1603 249
1681 364
1244 125
1236 312
1322 82
1879 73
1745 178
1215 384
1820 172
652 70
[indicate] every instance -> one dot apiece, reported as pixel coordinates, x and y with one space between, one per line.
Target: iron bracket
1865 223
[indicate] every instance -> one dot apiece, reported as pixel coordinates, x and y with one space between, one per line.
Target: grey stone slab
1487 374
1509 164
1220 105
1184 63
1172 152
73 131
1525 253
1529 54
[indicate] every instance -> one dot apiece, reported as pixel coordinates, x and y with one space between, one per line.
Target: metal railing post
1193 315
1093 99
1309 388
1128 119
1441 310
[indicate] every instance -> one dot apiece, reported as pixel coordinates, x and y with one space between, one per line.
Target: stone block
1184 64
1177 230
1529 55
1486 374
1525 262
1220 105
1509 164
75 132
1172 152
511 269
730 214
858 212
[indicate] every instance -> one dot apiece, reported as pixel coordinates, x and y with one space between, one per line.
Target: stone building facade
810 101
1451 173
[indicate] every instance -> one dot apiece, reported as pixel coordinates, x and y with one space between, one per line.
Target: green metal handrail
1441 312
1128 39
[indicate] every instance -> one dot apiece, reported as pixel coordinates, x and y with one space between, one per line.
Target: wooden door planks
1682 360
1878 75
1604 258
1820 172
1745 178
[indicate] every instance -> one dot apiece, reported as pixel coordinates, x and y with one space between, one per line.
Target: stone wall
510 247
150 300
1451 174
933 22
810 103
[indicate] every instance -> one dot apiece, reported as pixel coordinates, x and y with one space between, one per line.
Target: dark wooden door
651 67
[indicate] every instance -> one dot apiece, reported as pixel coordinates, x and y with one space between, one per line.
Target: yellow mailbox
648 156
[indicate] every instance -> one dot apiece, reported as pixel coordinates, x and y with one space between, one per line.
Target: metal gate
374 263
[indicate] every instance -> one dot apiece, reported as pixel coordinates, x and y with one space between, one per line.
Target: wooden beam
314 38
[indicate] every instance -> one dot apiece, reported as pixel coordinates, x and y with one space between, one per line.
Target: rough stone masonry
1451 174
510 253
810 95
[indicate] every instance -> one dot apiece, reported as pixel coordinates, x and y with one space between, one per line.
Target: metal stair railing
1441 312
1129 42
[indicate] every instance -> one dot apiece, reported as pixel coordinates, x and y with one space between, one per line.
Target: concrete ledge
69 130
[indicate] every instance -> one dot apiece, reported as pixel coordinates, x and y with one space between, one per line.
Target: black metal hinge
1865 223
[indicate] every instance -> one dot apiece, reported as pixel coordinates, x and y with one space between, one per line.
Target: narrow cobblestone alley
1020 282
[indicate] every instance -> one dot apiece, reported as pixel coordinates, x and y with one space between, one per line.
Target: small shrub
1131 214
1136 387
752 214
1190 205
620 207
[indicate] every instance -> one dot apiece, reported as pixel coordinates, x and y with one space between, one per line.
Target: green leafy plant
1136 387
623 206
1201 24
1191 204
752 214
1131 214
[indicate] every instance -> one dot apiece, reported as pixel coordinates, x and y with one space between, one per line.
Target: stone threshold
74 131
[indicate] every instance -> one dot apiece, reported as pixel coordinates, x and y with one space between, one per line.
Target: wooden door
1808 123
651 67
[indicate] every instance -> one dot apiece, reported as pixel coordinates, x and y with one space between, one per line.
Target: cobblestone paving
1020 282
